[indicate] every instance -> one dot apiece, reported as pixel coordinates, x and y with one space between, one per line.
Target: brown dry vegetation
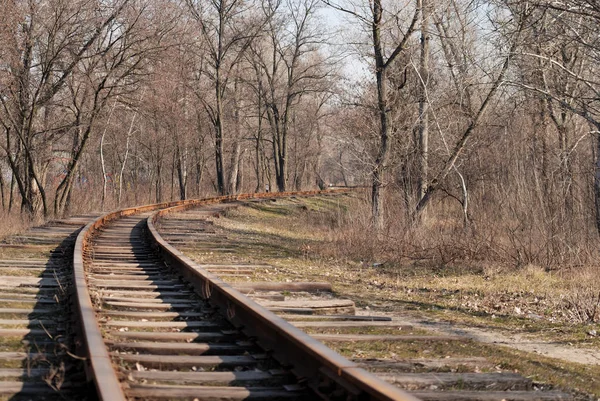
319 239
326 233
13 223
484 269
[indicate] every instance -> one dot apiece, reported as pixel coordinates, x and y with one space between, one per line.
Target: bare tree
76 57
567 65
375 19
477 112
227 28
293 66
57 40
423 127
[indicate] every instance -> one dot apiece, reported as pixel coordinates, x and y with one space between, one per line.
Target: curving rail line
317 370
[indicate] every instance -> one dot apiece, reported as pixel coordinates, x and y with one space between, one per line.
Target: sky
346 30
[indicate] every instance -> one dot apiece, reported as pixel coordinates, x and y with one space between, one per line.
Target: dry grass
318 239
13 223
320 233
502 268
497 235
34 252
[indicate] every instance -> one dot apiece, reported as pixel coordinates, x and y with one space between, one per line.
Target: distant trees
562 58
227 29
63 61
491 112
383 27
405 75
45 46
470 111
120 96
475 112
291 70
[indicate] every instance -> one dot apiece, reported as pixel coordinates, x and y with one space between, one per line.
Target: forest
472 126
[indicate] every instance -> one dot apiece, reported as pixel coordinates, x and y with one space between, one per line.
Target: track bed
36 331
165 341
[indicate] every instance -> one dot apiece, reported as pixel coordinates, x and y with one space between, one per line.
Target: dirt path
560 351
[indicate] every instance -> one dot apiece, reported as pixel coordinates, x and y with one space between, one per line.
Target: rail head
287 343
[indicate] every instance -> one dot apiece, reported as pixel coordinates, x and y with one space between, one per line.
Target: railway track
157 326
313 307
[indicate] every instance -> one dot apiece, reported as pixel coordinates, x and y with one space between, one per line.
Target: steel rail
98 367
318 363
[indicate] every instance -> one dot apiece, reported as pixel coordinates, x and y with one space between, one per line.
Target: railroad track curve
154 325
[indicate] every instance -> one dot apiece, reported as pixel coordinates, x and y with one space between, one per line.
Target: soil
568 353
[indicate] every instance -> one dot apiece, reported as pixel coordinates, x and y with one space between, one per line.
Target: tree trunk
158 189
119 194
2 189
258 165
173 168
279 156
16 169
377 201
280 175
233 168
181 174
35 185
282 149
258 147
219 90
545 187
103 164
377 174
11 194
423 128
63 192
342 168
239 183
219 145
199 171
597 178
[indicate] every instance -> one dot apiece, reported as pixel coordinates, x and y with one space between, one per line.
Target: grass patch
40 252
12 344
16 272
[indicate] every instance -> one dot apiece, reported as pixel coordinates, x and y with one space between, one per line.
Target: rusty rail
323 369
99 367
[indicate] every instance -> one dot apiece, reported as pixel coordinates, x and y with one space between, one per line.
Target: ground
521 310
